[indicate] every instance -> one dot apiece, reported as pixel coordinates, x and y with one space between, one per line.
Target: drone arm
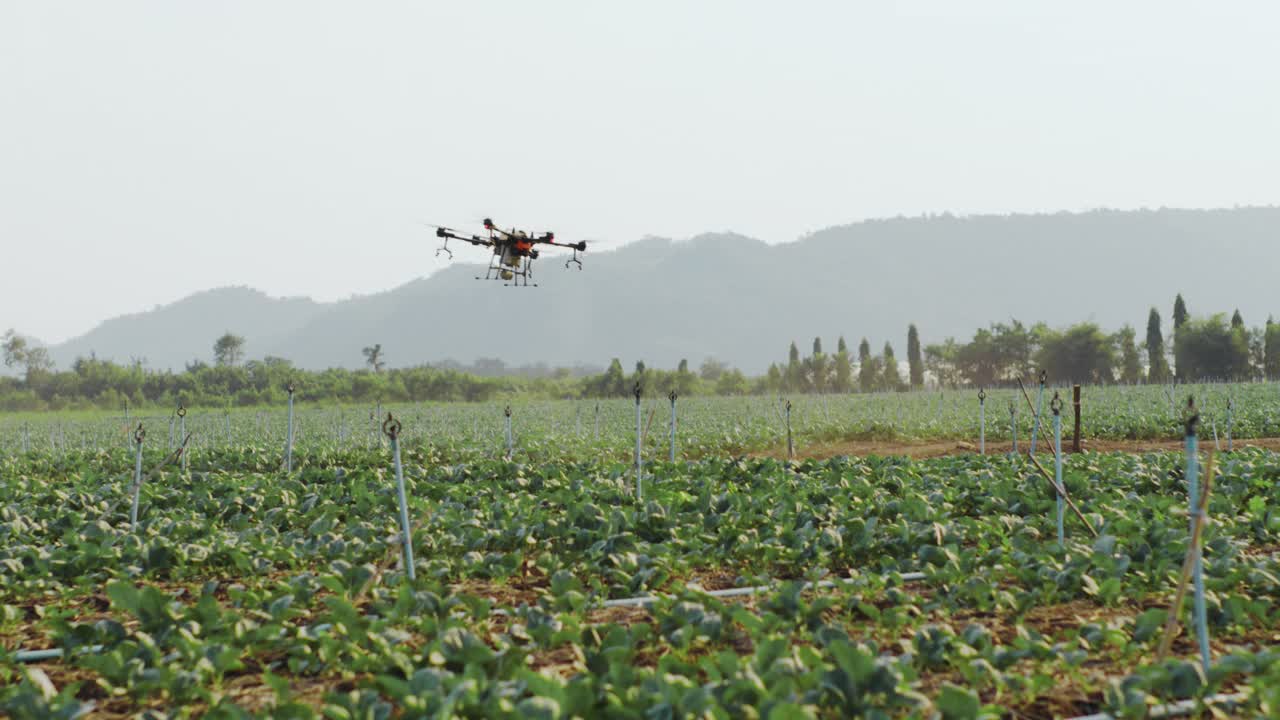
579 246
447 234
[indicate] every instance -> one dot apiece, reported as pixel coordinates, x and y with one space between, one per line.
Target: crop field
576 429
550 580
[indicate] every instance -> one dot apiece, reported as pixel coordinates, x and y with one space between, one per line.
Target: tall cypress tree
1180 313
866 367
818 367
1180 317
915 361
1158 366
794 379
1237 320
1271 350
892 379
843 381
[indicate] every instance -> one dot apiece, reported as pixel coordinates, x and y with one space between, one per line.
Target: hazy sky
148 150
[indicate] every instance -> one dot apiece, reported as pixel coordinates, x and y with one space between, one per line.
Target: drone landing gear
510 276
573 259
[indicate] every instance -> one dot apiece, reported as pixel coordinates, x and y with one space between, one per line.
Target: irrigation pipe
35 656
1178 709
647 600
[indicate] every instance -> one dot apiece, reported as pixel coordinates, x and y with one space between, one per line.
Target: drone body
513 251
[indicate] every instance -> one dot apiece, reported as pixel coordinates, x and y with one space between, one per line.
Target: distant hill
743 301
172 335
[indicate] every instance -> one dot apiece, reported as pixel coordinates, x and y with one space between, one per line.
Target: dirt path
941 448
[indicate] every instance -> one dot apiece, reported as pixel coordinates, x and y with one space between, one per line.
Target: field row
578 429
244 590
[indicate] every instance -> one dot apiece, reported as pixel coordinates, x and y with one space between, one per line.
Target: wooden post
1075 399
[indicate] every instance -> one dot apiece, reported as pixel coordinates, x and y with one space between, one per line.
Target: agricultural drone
513 251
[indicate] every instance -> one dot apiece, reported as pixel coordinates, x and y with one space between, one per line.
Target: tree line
1212 347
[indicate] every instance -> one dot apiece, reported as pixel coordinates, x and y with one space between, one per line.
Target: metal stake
1075 400
182 420
138 436
673 425
639 456
288 441
982 421
791 446
1193 493
1013 426
1056 406
1231 406
510 441
391 427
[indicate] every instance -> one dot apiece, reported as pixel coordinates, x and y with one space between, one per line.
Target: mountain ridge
743 301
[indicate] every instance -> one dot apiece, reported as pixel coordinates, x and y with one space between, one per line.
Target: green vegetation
246 591
1204 349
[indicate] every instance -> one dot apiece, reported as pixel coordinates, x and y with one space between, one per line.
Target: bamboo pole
1188 564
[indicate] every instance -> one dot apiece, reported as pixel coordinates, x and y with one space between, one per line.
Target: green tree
1157 365
1180 314
1237 320
641 376
712 369
613 383
732 382
15 349
915 360
1271 350
1001 352
867 369
1081 353
1210 349
1257 352
1130 362
1180 317
773 379
842 381
892 378
794 379
818 367
1013 346
374 358
228 350
685 382
940 360
977 361
34 360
